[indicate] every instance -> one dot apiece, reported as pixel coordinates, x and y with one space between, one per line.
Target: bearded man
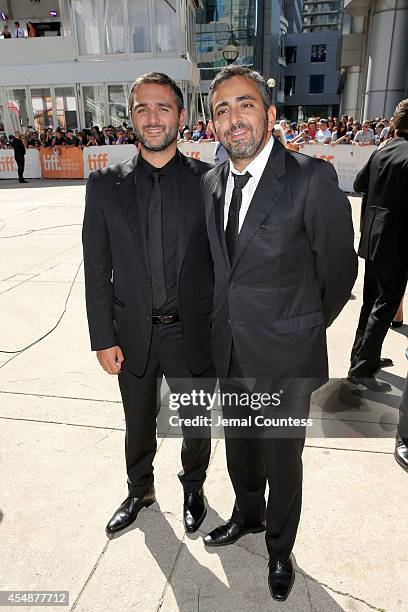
149 290
281 237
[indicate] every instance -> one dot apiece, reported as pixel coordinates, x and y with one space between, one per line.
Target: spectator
377 133
105 137
18 32
340 134
312 128
121 138
199 130
92 141
186 136
80 140
331 124
70 140
33 141
208 134
278 133
59 138
365 136
131 136
385 130
49 138
303 136
31 31
6 32
323 134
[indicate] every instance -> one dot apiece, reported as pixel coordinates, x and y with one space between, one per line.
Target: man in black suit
19 155
281 237
383 245
149 288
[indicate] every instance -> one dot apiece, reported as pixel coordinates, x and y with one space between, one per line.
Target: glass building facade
214 25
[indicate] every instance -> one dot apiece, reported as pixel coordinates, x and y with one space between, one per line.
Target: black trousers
258 457
383 291
141 402
20 161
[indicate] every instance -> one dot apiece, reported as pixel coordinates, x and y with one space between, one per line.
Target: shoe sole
212 545
400 463
197 525
280 599
112 535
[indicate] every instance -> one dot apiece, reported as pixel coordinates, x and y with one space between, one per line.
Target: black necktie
231 231
155 244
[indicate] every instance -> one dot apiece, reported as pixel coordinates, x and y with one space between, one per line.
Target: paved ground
62 465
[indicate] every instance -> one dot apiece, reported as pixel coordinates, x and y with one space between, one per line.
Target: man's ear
271 117
182 117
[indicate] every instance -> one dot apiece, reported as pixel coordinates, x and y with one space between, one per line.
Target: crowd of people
20 32
317 130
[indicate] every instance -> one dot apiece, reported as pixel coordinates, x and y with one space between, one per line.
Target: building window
93 105
65 103
42 108
139 25
16 104
117 105
165 20
114 26
318 53
290 85
316 83
87 26
290 55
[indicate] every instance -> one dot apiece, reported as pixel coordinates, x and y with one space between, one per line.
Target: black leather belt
165 319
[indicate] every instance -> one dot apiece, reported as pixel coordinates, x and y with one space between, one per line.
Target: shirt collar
257 165
167 169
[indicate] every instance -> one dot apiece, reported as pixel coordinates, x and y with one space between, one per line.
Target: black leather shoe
396 324
23 181
281 578
230 533
194 511
370 382
386 362
401 453
127 512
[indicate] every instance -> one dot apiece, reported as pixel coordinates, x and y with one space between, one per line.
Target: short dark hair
239 71
401 116
157 78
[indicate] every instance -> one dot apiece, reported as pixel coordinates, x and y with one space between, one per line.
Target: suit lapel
189 205
126 186
264 200
218 207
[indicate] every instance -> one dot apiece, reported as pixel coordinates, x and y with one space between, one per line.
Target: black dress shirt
170 184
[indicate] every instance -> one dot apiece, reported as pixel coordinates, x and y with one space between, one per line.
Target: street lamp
271 84
230 53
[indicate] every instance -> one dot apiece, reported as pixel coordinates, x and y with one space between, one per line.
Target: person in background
385 130
384 179
323 134
92 141
131 136
340 134
33 141
18 32
80 140
377 133
303 136
312 128
199 131
279 133
365 136
208 134
6 32
186 136
16 143
31 31
70 140
59 138
120 138
106 138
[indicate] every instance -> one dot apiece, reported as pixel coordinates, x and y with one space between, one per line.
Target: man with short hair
19 154
383 245
18 32
365 136
281 237
149 291
323 134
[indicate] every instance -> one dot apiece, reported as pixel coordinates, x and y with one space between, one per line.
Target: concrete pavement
62 463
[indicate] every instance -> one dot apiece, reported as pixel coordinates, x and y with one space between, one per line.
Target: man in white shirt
365 136
323 134
18 32
281 239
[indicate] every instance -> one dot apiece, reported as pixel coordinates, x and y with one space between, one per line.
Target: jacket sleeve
362 179
330 230
98 270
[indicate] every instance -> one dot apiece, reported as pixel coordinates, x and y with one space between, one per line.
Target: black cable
53 328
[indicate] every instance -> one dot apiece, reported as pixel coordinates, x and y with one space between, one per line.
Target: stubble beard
169 136
247 149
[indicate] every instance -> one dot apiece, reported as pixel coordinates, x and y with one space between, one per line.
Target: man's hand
111 359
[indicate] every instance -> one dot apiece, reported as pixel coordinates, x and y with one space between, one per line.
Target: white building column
387 57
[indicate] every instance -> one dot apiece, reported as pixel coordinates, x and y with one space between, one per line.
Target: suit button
228 320
232 285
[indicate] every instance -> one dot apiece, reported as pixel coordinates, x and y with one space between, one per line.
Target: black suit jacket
293 270
117 277
384 179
